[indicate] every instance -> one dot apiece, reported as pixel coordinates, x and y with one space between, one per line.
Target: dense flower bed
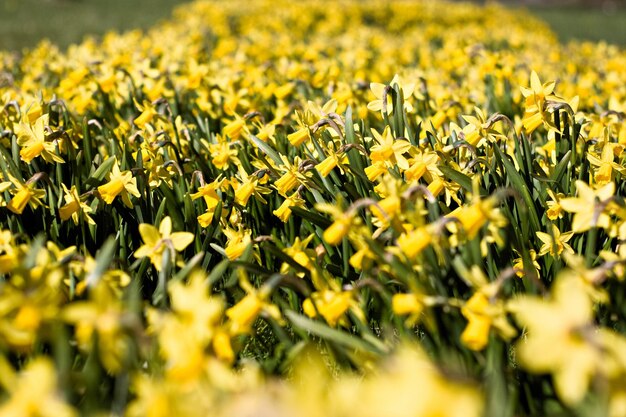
314 208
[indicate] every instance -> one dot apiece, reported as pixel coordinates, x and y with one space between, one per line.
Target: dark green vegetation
586 24
24 22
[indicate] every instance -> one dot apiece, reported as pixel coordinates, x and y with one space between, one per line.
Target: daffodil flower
156 242
248 187
555 211
32 140
561 338
381 102
556 243
74 208
243 314
102 314
148 113
298 252
292 176
238 241
208 192
332 305
344 221
283 212
233 129
422 163
605 165
34 391
298 137
519 266
535 103
120 183
222 153
389 149
415 241
408 304
23 195
484 312
588 206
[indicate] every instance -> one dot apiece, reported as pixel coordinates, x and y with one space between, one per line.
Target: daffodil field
349 208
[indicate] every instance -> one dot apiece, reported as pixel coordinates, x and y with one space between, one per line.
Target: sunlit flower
156 242
120 183
389 149
74 208
555 243
32 139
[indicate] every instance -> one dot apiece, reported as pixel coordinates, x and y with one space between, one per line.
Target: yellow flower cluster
314 208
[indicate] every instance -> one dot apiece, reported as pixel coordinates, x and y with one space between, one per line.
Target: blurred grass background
24 22
594 24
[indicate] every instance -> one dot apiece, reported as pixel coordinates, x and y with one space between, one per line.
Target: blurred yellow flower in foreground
562 339
33 392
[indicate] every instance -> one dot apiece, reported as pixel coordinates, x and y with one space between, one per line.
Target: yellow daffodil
238 241
283 212
298 252
589 206
556 243
410 304
120 183
209 193
222 153
34 392
23 195
484 313
605 164
243 314
415 241
74 208
382 103
102 314
561 338
156 242
521 269
389 150
330 304
298 137
344 221
148 113
32 140
535 103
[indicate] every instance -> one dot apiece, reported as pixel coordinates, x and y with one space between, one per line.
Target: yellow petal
180 240
165 228
19 201
149 234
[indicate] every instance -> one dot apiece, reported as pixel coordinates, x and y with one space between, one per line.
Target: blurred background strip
23 23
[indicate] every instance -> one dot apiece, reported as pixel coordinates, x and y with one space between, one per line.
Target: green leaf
313 217
218 271
270 247
519 185
266 149
189 266
102 171
332 335
103 260
561 168
456 176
